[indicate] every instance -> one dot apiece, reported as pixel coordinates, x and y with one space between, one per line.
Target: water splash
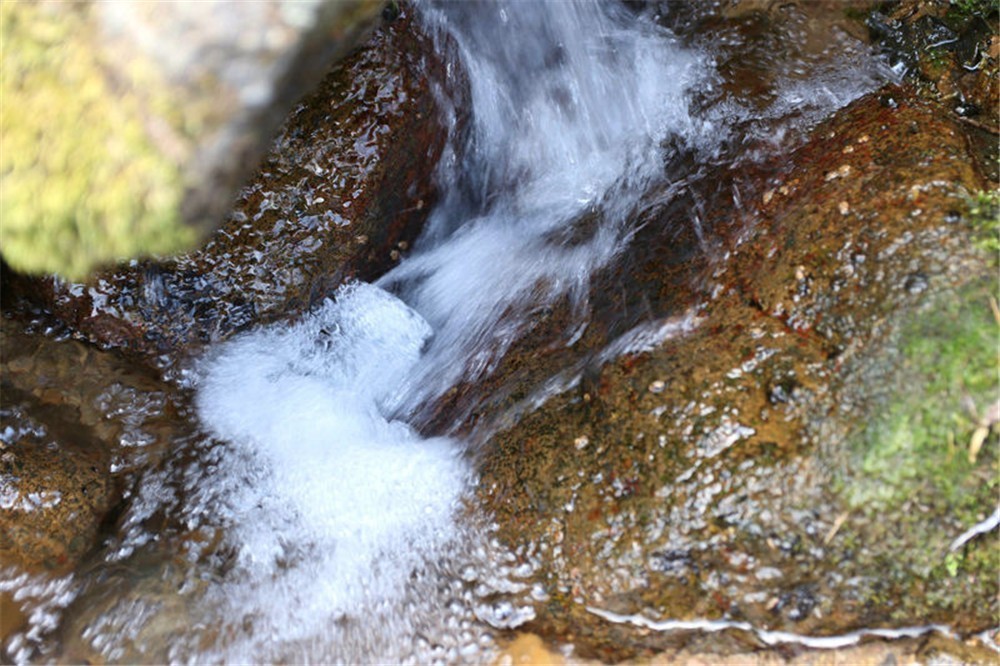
332 483
331 503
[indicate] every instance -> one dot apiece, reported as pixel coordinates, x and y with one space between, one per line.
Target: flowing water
311 517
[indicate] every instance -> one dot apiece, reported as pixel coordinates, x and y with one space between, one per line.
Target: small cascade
322 525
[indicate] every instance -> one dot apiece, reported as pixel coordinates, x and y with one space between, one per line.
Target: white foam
772 637
331 506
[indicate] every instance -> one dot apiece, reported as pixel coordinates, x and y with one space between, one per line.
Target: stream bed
583 355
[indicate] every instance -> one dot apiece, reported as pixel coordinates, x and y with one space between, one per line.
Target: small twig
835 527
984 424
979 125
976 443
995 307
984 527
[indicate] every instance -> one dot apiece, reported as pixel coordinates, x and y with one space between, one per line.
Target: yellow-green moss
918 443
82 182
984 216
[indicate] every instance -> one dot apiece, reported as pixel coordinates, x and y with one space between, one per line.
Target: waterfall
570 102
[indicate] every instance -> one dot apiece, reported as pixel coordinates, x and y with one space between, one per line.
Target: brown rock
706 488
54 496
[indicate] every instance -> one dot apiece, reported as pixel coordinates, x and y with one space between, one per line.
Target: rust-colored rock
54 496
77 424
708 476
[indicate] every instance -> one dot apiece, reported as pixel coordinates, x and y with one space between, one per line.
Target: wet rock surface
951 46
77 425
712 474
528 649
951 50
76 422
767 418
342 193
55 493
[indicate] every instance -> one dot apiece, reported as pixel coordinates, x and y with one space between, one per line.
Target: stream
314 505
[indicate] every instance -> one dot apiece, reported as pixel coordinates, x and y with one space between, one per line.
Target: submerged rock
731 464
130 126
342 192
55 490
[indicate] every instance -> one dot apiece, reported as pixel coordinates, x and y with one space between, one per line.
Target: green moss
984 216
917 444
83 183
974 8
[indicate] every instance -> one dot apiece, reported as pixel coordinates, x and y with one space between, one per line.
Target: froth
330 506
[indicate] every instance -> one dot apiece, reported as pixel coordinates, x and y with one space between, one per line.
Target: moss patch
918 443
984 217
974 8
83 183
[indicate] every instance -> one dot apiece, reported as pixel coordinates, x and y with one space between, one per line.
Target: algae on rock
773 464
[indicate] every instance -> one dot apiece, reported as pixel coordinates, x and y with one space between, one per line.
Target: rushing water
571 102
346 500
317 522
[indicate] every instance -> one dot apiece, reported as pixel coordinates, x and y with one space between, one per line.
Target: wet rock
342 192
733 469
952 50
77 425
529 649
55 490
55 480
153 115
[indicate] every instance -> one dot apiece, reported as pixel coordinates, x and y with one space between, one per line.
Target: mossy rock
129 127
921 463
83 182
923 433
342 193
